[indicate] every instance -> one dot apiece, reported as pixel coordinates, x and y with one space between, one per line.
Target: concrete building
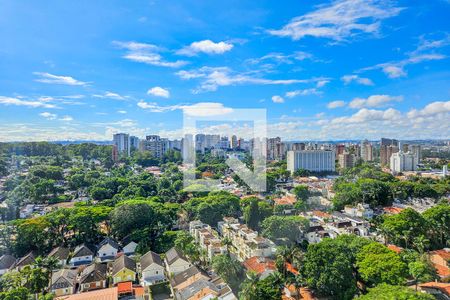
402 161
246 242
311 160
122 143
134 142
366 151
387 148
346 160
155 144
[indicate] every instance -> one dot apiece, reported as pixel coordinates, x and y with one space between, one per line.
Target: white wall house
152 269
176 262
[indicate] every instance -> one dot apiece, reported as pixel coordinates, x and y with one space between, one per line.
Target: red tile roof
259 264
394 248
285 200
443 287
103 294
442 271
291 269
125 287
442 253
321 214
392 210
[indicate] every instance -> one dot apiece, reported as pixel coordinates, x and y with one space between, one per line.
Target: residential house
246 242
152 269
361 210
61 254
260 265
441 262
93 277
123 269
82 255
187 277
176 262
103 294
25 261
63 282
439 290
7 262
107 250
130 249
204 289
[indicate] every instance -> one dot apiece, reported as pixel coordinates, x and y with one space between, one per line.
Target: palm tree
420 243
248 287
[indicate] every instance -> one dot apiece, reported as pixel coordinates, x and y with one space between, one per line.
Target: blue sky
324 70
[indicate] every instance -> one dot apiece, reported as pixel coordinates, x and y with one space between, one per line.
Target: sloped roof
109 241
122 262
26 260
7 261
173 254
66 276
183 276
443 287
103 294
194 288
445 254
259 264
59 253
150 257
82 250
93 273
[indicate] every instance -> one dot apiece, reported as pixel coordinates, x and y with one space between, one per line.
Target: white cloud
340 20
204 109
213 77
368 115
347 79
304 92
29 103
122 111
281 58
200 109
434 108
336 104
277 99
396 69
322 83
374 101
48 116
159 92
148 54
66 118
56 79
205 46
110 95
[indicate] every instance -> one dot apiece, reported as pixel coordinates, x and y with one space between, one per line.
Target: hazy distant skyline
328 70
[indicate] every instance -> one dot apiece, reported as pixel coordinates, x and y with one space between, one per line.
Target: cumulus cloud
277 99
434 108
205 46
367 115
56 79
280 58
340 20
374 101
336 104
214 77
148 54
66 118
159 92
29 103
48 116
347 79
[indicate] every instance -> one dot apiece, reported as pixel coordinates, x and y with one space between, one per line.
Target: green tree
438 218
278 227
229 269
378 264
390 292
301 192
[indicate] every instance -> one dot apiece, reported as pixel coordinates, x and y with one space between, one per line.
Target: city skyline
333 70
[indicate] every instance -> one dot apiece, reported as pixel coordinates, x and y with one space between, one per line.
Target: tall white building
311 160
134 142
402 161
122 143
